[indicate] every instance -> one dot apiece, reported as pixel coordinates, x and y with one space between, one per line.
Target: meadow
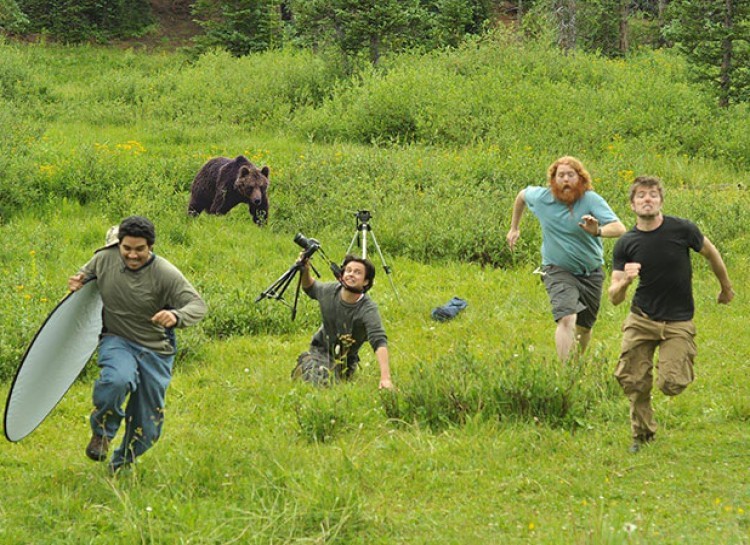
488 439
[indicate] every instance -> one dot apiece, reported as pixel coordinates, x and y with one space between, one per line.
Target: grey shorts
572 294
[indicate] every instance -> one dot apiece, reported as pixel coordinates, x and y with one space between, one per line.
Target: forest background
488 439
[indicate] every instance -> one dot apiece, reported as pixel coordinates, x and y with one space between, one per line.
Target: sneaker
97 448
639 442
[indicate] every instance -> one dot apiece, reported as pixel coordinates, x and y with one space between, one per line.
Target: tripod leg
277 289
364 243
351 244
296 297
386 268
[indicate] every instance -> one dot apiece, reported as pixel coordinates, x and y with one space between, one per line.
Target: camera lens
301 240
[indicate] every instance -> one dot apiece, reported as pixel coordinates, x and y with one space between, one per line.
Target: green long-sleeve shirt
131 298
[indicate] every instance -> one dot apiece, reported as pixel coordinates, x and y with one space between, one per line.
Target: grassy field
488 439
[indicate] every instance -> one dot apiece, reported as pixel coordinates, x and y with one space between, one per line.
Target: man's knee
674 384
630 381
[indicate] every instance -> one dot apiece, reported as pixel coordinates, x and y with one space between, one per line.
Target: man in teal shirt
144 298
574 219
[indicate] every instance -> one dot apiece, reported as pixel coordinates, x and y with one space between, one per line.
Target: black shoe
639 442
97 448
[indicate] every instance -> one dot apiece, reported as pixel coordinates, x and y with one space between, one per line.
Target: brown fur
223 183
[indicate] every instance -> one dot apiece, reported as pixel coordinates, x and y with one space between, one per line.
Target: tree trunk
725 77
565 12
374 49
661 8
624 41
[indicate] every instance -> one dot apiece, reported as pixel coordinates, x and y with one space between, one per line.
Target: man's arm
385 370
591 225
618 287
710 252
612 230
306 279
519 205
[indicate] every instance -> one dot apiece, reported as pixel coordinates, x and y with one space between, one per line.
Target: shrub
460 386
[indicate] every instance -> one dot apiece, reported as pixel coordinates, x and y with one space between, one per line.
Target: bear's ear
244 171
265 171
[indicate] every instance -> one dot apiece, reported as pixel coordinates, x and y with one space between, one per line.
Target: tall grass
487 439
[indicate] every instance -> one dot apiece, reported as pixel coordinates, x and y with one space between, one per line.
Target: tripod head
363 218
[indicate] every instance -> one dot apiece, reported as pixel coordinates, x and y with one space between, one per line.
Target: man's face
135 252
567 186
646 202
354 275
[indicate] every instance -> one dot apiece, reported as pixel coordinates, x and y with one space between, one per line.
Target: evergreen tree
240 26
355 27
715 37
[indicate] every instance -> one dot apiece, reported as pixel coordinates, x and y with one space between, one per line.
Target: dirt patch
174 27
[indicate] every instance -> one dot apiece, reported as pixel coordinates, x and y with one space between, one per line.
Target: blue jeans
128 368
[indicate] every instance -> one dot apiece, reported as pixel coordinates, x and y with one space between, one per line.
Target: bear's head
252 183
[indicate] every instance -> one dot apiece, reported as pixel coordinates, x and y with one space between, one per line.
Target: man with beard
656 252
350 318
574 219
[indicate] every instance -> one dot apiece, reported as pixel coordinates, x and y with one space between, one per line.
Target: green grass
488 439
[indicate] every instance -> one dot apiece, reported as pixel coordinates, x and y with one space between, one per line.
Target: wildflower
629 527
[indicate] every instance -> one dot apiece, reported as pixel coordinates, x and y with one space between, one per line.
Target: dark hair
649 182
369 268
139 227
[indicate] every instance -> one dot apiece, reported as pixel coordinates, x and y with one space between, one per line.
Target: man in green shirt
144 298
350 318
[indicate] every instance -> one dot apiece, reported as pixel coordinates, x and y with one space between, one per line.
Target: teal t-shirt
564 242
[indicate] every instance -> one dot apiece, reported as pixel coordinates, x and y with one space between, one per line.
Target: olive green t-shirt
131 298
346 326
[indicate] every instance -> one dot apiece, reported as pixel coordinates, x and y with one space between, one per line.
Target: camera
363 216
310 245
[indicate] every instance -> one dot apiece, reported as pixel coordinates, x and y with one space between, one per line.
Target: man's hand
726 295
164 318
632 270
589 224
75 282
512 237
386 384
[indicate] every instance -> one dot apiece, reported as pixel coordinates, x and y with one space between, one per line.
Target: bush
459 387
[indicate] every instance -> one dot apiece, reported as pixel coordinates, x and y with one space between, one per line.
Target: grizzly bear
223 183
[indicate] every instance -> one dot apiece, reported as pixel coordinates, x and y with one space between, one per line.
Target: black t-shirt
664 292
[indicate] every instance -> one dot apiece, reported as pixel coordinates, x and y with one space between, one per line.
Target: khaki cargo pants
640 339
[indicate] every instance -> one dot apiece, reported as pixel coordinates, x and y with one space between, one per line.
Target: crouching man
350 318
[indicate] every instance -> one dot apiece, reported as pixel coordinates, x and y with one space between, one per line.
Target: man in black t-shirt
656 251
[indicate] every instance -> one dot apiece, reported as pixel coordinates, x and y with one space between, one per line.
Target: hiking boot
97 448
639 442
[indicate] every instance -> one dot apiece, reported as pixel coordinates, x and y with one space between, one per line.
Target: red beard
570 196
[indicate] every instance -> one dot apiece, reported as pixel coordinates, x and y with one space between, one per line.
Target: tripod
363 218
277 289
